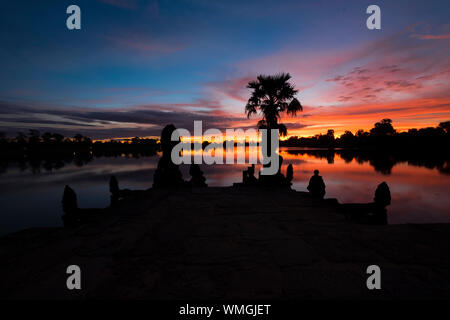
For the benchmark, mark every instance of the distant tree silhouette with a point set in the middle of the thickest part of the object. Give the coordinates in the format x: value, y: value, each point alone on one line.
x: 59, y: 138
x: 79, y: 138
x: 383, y: 128
x: 445, y: 126
x: 52, y: 151
x: 34, y: 136
x: 382, y: 137
x: 347, y: 139
x: 47, y: 137
x: 361, y: 133
x: 329, y: 138
x: 135, y: 140
x: 21, y: 138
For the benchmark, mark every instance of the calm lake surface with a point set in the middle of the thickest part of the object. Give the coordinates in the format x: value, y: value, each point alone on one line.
x: 30, y: 196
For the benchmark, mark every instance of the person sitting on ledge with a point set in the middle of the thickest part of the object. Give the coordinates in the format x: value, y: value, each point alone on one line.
x: 289, y: 174
x: 316, y: 185
x: 167, y: 174
x: 382, y: 195
x: 381, y: 200
x: 117, y: 193
x: 248, y: 177
x: 197, y: 180
x: 114, y: 190
x: 278, y: 178
x: 71, y: 215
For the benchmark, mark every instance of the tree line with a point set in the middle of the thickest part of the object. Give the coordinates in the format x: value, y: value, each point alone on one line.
x: 55, y: 143
x: 382, y: 136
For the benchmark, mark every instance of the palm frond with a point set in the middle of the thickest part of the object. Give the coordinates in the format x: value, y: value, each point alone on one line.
x: 282, y: 129
x: 271, y: 95
x: 262, y: 124
x: 294, y: 107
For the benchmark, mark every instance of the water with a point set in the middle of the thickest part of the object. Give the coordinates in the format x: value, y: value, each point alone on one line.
x: 31, y: 196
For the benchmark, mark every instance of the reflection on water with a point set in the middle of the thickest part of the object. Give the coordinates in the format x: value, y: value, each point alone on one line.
x: 30, y: 191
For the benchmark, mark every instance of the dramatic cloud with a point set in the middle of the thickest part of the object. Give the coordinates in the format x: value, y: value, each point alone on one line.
x: 106, y: 123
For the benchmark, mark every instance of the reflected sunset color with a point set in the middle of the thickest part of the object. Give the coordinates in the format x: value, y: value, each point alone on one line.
x: 419, y: 193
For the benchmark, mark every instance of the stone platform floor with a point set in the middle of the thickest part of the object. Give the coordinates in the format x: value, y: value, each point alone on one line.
x: 227, y: 243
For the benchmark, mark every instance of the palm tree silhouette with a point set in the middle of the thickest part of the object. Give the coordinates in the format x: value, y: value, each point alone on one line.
x: 272, y: 96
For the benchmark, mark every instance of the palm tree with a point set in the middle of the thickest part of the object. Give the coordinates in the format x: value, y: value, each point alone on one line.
x: 272, y: 96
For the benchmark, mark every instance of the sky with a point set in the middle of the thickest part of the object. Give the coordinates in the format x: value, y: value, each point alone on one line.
x: 138, y: 65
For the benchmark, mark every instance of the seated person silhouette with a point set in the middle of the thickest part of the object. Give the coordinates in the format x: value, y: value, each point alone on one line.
x: 381, y: 200
x: 316, y: 185
x: 167, y: 174
x: 289, y: 174
x: 249, y: 176
x: 71, y: 215
x: 280, y: 179
x: 117, y: 193
x: 275, y: 180
x: 197, y: 180
x: 382, y: 195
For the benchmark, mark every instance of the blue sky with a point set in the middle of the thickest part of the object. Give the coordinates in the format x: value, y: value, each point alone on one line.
x: 191, y: 60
